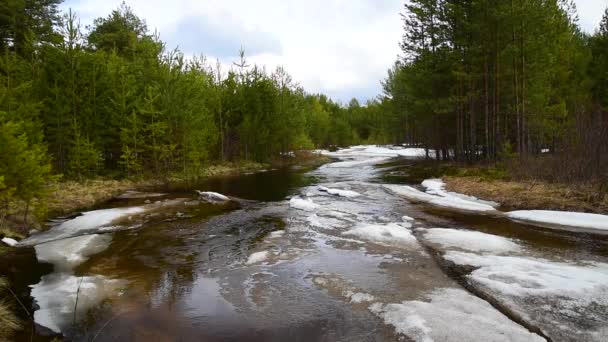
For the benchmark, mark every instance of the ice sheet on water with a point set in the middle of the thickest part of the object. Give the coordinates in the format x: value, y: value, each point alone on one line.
x: 305, y: 204
x: 358, y: 162
x: 525, y: 276
x: 358, y: 297
x: 451, y: 314
x: 88, y: 222
x: 66, y: 254
x: 212, y: 197
x: 55, y: 294
x: 470, y: 240
x: 391, y: 233
x: 584, y: 221
x: 451, y: 202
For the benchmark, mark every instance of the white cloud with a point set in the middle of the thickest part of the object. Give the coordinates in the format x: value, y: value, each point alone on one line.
x: 338, y: 47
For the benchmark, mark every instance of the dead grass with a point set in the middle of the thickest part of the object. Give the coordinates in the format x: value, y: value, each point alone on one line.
x: 532, y: 194
x: 8, y: 321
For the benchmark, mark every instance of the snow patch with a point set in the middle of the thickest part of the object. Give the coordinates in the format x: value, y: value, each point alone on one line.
x: 10, y: 242
x: 470, y: 240
x: 450, y: 202
x: 359, y: 162
x: 213, y: 197
x: 453, y: 314
x: 386, y: 234
x: 303, y: 204
x: 592, y: 222
x: 358, y: 297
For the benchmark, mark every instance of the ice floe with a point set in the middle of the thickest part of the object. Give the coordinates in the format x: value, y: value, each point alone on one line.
x: 437, y: 187
x: 339, y: 192
x: 450, y: 202
x: 451, y: 315
x: 358, y: 162
x: 470, y: 240
x: 358, y: 297
x: 391, y: 233
x: 305, y: 204
x: 562, y: 219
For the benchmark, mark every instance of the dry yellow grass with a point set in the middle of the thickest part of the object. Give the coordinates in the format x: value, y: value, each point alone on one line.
x: 8, y: 321
x: 531, y: 194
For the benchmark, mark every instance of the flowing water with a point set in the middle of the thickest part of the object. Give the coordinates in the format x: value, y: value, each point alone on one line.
x: 320, y: 267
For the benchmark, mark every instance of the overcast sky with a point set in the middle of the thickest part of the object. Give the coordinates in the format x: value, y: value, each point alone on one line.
x: 341, y: 48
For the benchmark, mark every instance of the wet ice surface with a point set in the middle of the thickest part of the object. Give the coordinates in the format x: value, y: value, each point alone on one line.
x: 319, y: 265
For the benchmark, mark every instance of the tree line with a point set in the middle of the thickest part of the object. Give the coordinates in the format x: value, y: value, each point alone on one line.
x: 493, y: 79
x: 112, y: 100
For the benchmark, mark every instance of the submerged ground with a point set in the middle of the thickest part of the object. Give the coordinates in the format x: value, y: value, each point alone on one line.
x: 332, y: 254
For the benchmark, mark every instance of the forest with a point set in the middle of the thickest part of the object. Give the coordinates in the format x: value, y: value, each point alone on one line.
x: 477, y: 81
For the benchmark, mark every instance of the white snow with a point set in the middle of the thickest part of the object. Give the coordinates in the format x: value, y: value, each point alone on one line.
x: 378, y: 151
x: 303, y: 204
x: 388, y: 234
x: 591, y: 222
x: 451, y: 315
x: 55, y: 294
x: 10, y: 242
x: 257, y: 257
x: 523, y: 276
x: 407, y: 219
x: 437, y: 187
x: 277, y: 234
x: 85, y: 223
x: 213, y: 197
x: 358, y: 297
x: 339, y: 192
x: 65, y: 254
x: 471, y: 240
x: 450, y: 202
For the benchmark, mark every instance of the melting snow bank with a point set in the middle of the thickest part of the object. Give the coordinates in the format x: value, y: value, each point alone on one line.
x: 391, y: 233
x: 68, y: 253
x: 451, y: 314
x: 378, y: 151
x: 450, y: 201
x: 55, y: 294
x: 437, y: 187
x: 356, y: 163
x: 257, y: 257
x: 470, y: 240
x: 303, y: 204
x: 568, y: 302
x: 341, y: 193
x: 562, y: 220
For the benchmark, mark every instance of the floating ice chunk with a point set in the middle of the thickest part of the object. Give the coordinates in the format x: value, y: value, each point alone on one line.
x: 358, y: 297
x: 471, y: 240
x: 451, y: 202
x: 564, y: 219
x: 257, y: 257
x: 55, y: 294
x: 213, y: 197
x: 303, y: 204
x: 10, y: 242
x: 88, y: 222
x: 387, y: 234
x: 522, y: 276
x: 341, y: 193
x: 65, y: 254
x: 453, y: 314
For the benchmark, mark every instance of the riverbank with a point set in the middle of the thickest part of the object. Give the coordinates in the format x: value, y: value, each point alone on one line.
x: 522, y: 194
x: 66, y: 197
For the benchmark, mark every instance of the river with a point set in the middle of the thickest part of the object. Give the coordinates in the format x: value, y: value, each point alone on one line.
x: 309, y: 255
